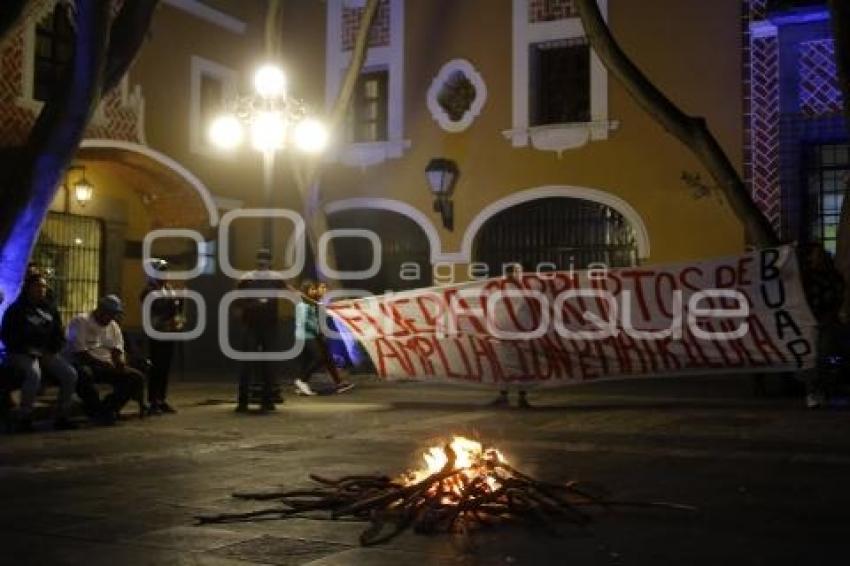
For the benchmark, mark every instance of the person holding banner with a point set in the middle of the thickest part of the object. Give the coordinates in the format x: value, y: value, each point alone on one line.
x: 513, y: 272
x: 315, y: 353
x: 824, y: 290
x: 330, y: 362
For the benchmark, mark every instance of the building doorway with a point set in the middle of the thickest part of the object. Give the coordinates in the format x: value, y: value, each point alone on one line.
x: 69, y: 251
x: 405, y: 250
x: 557, y: 231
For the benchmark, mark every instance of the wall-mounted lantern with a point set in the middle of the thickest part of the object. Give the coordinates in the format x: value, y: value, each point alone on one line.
x: 442, y: 176
x: 83, y: 189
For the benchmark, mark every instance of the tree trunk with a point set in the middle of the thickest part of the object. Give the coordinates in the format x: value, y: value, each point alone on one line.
x: 30, y: 184
x: 307, y: 170
x: 273, y: 35
x: 691, y: 131
x: 840, y: 11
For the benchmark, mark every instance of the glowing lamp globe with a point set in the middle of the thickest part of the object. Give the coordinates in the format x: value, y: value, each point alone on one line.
x: 83, y: 191
x: 268, y: 131
x: 226, y: 132
x: 311, y: 136
x: 269, y: 81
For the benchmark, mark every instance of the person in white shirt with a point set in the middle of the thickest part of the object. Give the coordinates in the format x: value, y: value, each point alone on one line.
x: 96, y: 346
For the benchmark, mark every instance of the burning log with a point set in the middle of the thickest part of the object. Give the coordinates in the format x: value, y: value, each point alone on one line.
x: 463, y: 486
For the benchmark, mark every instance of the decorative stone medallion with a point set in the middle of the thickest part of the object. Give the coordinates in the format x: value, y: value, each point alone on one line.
x: 457, y: 95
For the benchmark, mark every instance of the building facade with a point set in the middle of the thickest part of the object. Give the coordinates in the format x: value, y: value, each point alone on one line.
x: 797, y: 154
x: 556, y: 166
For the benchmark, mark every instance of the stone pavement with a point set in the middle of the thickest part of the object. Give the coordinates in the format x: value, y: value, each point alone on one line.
x: 771, y: 479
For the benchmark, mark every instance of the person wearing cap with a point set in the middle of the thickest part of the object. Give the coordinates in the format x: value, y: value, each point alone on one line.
x: 166, y: 316
x: 96, y: 345
x: 259, y: 330
x: 32, y: 332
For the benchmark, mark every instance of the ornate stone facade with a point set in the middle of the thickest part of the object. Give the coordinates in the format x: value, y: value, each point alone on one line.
x: 820, y: 92
x: 119, y: 116
x: 379, y: 35
x: 762, y: 112
x: 548, y: 10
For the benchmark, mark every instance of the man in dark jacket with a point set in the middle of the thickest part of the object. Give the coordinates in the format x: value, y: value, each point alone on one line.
x: 824, y: 289
x: 33, y: 335
x: 166, y: 312
x: 259, y: 329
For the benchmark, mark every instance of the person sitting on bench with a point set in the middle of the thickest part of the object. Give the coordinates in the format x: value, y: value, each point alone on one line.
x: 32, y: 333
x: 96, y: 346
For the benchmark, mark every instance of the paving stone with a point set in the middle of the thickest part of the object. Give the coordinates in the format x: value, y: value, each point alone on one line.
x: 768, y: 477
x: 189, y: 538
x: 281, y: 551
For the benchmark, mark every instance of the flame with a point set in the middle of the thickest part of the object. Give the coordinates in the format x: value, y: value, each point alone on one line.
x: 473, y: 461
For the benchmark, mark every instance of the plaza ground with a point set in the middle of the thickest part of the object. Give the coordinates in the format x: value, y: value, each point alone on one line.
x: 771, y: 480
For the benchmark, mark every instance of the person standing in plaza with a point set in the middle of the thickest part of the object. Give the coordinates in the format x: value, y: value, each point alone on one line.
x: 315, y: 353
x: 258, y: 322
x: 824, y: 290
x: 513, y: 274
x: 166, y: 315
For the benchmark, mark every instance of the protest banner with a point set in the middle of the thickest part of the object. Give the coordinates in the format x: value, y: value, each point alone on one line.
x: 730, y: 315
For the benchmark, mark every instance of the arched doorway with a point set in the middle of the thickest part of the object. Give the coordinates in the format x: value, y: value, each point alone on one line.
x: 566, y: 232
x: 405, y: 250
x: 95, y: 247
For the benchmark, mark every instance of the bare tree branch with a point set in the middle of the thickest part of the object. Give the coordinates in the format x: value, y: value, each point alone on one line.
x: 125, y: 39
x: 691, y: 131
x: 273, y: 35
x: 307, y: 175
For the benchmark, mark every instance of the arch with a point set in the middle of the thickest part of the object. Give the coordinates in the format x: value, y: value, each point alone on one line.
x: 399, y: 207
x: 564, y: 191
x: 167, y: 162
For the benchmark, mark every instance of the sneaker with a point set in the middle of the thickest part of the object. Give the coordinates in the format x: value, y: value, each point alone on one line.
x: 500, y: 401
x: 344, y: 386
x: 167, y: 409
x: 815, y: 400
x: 103, y: 417
x: 64, y: 423
x: 24, y: 424
x: 303, y: 388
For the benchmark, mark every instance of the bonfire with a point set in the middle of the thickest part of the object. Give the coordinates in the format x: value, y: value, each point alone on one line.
x: 462, y: 485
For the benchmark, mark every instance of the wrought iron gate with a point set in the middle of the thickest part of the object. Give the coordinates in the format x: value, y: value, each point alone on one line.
x: 403, y: 244
x: 561, y: 231
x: 69, y: 252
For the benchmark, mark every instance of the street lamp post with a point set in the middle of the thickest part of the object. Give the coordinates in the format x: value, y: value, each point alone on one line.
x: 273, y: 119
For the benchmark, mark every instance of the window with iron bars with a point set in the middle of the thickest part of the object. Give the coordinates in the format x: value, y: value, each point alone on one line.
x: 368, y: 116
x: 54, y: 49
x: 69, y: 252
x: 565, y: 232
x: 559, y: 75
x: 827, y: 171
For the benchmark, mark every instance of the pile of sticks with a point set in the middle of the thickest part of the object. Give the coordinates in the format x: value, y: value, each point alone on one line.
x: 445, y: 501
